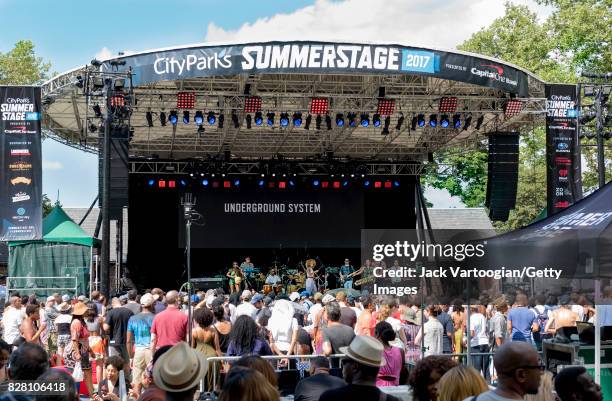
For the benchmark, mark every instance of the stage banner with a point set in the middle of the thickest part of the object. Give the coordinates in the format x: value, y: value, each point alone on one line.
x: 20, y: 163
x: 562, y: 148
x: 318, y: 57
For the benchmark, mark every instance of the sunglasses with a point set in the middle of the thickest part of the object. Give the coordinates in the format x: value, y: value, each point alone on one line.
x: 539, y: 367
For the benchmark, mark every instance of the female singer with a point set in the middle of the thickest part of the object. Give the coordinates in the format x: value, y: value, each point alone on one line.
x: 235, y: 276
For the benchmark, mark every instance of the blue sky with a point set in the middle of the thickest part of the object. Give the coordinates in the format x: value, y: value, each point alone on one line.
x: 70, y: 33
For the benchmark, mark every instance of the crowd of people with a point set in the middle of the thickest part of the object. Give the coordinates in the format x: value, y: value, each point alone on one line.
x: 138, y: 346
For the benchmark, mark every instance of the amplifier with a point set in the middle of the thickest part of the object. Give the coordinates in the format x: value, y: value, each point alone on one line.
x: 207, y: 283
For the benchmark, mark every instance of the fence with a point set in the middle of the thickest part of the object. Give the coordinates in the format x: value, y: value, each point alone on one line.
x: 41, y: 286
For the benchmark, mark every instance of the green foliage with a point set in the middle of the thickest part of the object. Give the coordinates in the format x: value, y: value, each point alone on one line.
x: 21, y: 66
x: 47, y: 205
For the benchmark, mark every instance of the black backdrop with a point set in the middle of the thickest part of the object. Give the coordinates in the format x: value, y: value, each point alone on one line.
x: 156, y: 228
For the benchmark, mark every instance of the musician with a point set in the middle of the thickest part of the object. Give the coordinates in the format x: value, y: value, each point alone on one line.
x: 311, y: 274
x: 235, y: 275
x: 273, y: 278
x: 247, y: 266
x: 346, y: 274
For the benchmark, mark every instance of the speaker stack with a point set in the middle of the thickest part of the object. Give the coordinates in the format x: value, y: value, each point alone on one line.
x: 502, y: 174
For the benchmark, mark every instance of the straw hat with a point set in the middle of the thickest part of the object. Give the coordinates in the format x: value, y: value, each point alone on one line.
x: 366, y: 350
x: 79, y: 309
x: 64, y: 307
x: 179, y: 369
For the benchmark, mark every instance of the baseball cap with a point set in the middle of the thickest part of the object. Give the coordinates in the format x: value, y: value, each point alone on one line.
x: 246, y: 294
x: 256, y: 298
x: 294, y: 296
x: 305, y: 294
x: 328, y: 298
x: 82, y: 298
x: 147, y: 300
x: 195, y: 298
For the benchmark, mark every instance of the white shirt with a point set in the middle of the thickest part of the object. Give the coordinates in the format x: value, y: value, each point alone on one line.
x: 313, y: 311
x: 282, y: 339
x: 272, y: 280
x: 246, y: 308
x: 11, y: 320
x: 478, y: 323
x: 432, y: 339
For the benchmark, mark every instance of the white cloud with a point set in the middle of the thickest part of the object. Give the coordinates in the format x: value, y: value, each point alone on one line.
x: 441, y: 24
x: 440, y: 198
x: 106, y: 53
x: 52, y: 165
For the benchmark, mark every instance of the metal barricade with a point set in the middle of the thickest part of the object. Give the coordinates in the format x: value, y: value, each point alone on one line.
x: 30, y: 286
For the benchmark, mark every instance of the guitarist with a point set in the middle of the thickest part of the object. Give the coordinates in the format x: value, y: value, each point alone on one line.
x: 311, y: 274
x: 346, y: 274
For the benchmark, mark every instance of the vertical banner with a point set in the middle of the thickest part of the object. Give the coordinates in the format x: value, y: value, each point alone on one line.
x: 20, y: 163
x: 562, y: 147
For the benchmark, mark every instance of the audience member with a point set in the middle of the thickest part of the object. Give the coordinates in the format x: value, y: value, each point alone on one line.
x: 460, y: 383
x: 389, y: 374
x: 244, y: 384
x: 319, y: 381
x: 170, y: 324
x: 109, y: 388
x: 179, y: 372
x: 575, y: 384
x: 261, y: 365
x: 424, y: 377
x: 58, y: 376
x: 245, y: 339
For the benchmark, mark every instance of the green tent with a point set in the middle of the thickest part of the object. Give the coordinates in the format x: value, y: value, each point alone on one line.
x: 60, y: 262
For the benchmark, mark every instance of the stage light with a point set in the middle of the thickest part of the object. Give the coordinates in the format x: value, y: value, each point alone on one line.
x: 339, y: 120
x: 151, y: 183
x: 236, y: 183
x: 284, y: 119
x: 185, y: 100
x: 400, y: 122
x: 171, y: 184
x: 292, y: 183
x: 119, y: 84
x: 183, y: 183
x: 385, y: 130
x: 377, y: 184
x: 258, y: 118
x: 93, y: 127
x: 173, y: 117
x: 513, y: 107
x: 252, y: 104
x: 282, y: 185
x: 261, y: 183
x: 479, y: 122
x: 162, y: 118
x: 198, y: 118
x: 366, y: 183
x: 318, y: 121
x: 328, y: 122
x: 185, y: 117
x: 215, y: 184
x: 149, y: 117
x: 421, y: 120
x: 336, y: 184
x: 316, y: 183
x: 308, y: 121
x: 387, y: 184
x: 376, y: 120
x: 345, y: 183
x: 444, y: 121
x: 325, y: 184
x: 385, y: 107
x: 271, y: 184
x: 467, y: 123
x: 98, y: 83
x: 161, y: 183
x: 227, y: 184
x: 235, y: 120
x: 97, y: 110
x: 221, y: 121
x: 364, y: 120
x: 319, y: 105
x: 297, y: 119
x: 270, y: 119
x: 210, y: 117
x: 351, y: 120
x: 201, y: 130
x: 396, y: 184
x: 433, y: 120
x: 448, y: 105
x: 457, y: 121
x: 248, y: 121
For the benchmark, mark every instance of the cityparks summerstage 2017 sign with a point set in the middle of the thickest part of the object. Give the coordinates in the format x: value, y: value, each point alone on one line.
x: 20, y: 163
x: 320, y: 57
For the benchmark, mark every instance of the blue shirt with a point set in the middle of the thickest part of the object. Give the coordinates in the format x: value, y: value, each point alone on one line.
x: 345, y: 270
x: 140, y: 327
x: 522, y: 319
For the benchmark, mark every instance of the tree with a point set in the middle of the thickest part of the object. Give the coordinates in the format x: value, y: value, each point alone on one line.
x: 21, y: 66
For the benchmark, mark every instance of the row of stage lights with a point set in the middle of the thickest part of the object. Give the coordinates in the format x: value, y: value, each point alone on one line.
x: 350, y: 120
x: 323, y: 183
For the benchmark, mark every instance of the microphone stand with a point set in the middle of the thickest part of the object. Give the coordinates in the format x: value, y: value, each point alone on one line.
x: 188, y: 204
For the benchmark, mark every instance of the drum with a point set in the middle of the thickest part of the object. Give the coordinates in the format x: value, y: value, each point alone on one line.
x: 267, y: 288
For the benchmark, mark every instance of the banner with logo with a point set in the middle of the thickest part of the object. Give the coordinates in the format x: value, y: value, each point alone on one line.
x: 562, y: 148
x: 20, y: 163
x: 319, y: 57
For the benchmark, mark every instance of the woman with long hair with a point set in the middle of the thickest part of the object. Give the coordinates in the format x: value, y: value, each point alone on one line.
x: 206, y: 340
x: 459, y: 383
x: 245, y: 339
x: 283, y: 329
x: 425, y: 375
x: 235, y: 276
x: 458, y: 317
x: 389, y: 375
x: 244, y: 384
x: 222, y: 326
x: 78, y: 349
x: 261, y: 365
x: 94, y: 323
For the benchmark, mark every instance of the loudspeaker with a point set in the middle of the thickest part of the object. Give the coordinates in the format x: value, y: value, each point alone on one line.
x: 502, y: 174
x: 119, y: 168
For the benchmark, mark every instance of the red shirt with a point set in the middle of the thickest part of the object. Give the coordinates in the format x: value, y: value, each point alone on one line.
x: 169, y: 327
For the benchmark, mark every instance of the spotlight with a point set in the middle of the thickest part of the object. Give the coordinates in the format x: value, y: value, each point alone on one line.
x: 479, y: 122
x: 221, y: 120
x: 457, y: 121
x: 270, y: 119
x: 97, y: 110
x: 173, y: 117
x: 421, y: 120
x: 201, y: 130
x: 376, y: 120
x: 467, y: 123
x: 93, y: 127
x: 444, y: 121
x: 185, y: 117
x: 151, y: 183
x: 328, y: 122
x: 284, y: 119
x: 198, y: 118
x: 385, y: 130
x: 308, y: 121
x: 339, y: 120
x: 433, y: 120
x: 248, y: 121
x: 162, y: 118
x: 210, y: 117
x: 205, y: 183
x: 258, y: 118
x: 364, y: 120
x: 149, y: 117
x: 351, y: 119
x: 400, y: 121
x: 235, y: 120
x: 413, y: 123
x: 297, y: 119
x: 318, y: 121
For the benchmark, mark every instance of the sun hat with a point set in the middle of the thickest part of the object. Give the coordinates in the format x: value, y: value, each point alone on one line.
x: 409, y: 315
x: 79, y: 309
x: 294, y: 296
x: 328, y: 298
x: 366, y: 350
x: 147, y: 300
x: 181, y: 368
x: 64, y: 307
